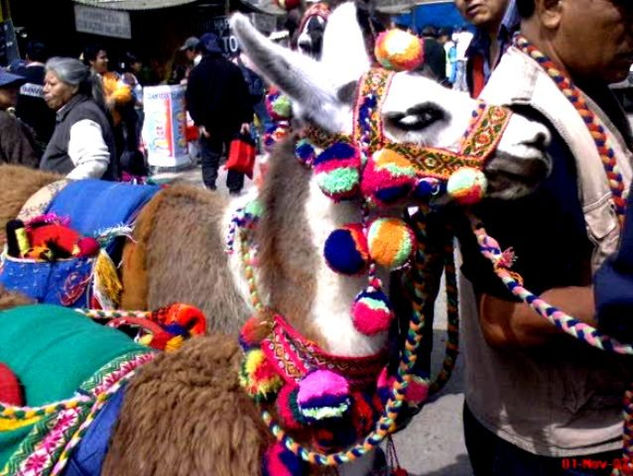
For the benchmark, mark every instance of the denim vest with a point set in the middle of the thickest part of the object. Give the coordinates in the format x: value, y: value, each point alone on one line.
x: 563, y: 399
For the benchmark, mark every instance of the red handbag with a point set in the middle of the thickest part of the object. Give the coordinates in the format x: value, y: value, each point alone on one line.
x: 242, y: 155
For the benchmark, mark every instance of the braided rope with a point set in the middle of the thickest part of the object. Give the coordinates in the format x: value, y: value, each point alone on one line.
x: 99, y: 401
x: 421, y: 281
x: 593, y: 123
x: 113, y: 314
x: 452, y: 326
x: 489, y: 248
x: 12, y: 412
x: 572, y: 326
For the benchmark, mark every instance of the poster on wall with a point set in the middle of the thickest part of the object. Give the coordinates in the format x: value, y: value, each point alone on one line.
x: 164, y: 129
x: 99, y: 21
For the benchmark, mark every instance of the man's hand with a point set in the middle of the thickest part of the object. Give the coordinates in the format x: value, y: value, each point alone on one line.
x: 245, y: 128
x: 203, y: 132
x: 507, y: 324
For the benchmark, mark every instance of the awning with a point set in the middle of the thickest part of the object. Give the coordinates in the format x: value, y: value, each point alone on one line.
x: 264, y: 6
x: 134, y: 4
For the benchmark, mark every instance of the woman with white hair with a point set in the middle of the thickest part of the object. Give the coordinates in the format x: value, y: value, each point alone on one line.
x: 82, y: 145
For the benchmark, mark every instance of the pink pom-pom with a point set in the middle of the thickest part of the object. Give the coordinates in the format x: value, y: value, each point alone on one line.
x: 418, y: 391
x: 371, y: 312
x: 323, y: 394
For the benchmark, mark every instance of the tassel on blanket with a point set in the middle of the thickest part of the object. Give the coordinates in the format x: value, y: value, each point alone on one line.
x: 106, y: 287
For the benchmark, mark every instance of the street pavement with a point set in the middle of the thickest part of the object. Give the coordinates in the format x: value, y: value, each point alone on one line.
x: 433, y: 443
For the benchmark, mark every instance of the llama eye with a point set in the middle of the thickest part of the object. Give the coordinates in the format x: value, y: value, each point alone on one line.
x: 416, y: 118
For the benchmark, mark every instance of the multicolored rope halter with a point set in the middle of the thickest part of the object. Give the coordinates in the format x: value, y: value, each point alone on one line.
x: 503, y: 260
x: 597, y: 130
x: 368, y: 167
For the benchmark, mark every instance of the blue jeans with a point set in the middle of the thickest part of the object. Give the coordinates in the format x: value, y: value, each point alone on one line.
x: 492, y: 456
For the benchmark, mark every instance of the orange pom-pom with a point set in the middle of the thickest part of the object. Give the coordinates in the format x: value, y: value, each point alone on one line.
x: 399, y: 50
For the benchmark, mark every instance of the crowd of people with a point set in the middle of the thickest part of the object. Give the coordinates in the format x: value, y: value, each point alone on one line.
x: 83, y: 118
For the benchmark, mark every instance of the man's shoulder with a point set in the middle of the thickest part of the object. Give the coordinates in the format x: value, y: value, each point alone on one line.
x: 518, y: 79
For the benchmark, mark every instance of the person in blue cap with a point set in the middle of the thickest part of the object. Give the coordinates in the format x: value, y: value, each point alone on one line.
x: 220, y: 105
x: 17, y: 144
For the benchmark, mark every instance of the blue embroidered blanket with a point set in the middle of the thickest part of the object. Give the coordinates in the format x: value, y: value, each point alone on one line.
x: 94, y: 205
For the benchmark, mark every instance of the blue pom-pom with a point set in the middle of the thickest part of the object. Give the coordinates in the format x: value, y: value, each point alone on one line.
x: 389, y: 195
x: 345, y: 250
x: 337, y: 151
x: 305, y: 152
x: 425, y: 188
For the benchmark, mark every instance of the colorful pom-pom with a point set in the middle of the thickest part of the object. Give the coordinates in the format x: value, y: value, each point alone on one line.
x: 467, y: 185
x: 337, y: 171
x: 10, y: 389
x: 425, y: 188
x: 391, y: 242
x: 305, y: 152
x: 384, y: 385
x: 290, y: 415
x: 417, y: 391
x: 280, y: 461
x: 253, y: 332
x: 387, y: 178
x: 399, y: 50
x: 278, y: 106
x: 323, y: 395
x: 87, y: 246
x: 345, y: 250
x: 288, y: 4
x: 258, y: 376
x: 372, y: 312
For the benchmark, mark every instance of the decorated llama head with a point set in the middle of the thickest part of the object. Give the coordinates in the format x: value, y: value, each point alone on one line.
x: 414, y: 109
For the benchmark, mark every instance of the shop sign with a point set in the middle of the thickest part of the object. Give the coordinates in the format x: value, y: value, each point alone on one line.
x: 100, y: 21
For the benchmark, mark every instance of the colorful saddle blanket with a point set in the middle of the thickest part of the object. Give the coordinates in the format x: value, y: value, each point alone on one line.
x: 70, y: 368
x: 93, y: 206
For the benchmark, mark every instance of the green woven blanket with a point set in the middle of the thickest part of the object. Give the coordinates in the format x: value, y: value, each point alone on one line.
x: 53, y: 350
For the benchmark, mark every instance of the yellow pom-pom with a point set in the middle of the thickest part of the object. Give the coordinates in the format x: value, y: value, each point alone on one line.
x: 467, y: 185
x: 399, y: 50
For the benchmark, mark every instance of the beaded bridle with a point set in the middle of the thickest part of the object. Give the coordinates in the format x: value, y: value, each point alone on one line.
x: 421, y: 173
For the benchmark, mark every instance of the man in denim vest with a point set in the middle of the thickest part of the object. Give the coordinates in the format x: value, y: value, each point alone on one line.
x: 539, y: 402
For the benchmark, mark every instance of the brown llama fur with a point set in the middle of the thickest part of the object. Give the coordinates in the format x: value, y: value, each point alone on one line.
x: 17, y: 184
x: 287, y: 258
x: 179, y: 257
x: 9, y: 299
x: 185, y: 414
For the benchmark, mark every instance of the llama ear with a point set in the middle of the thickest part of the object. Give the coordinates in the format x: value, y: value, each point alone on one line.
x: 308, y: 83
x: 344, y: 51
